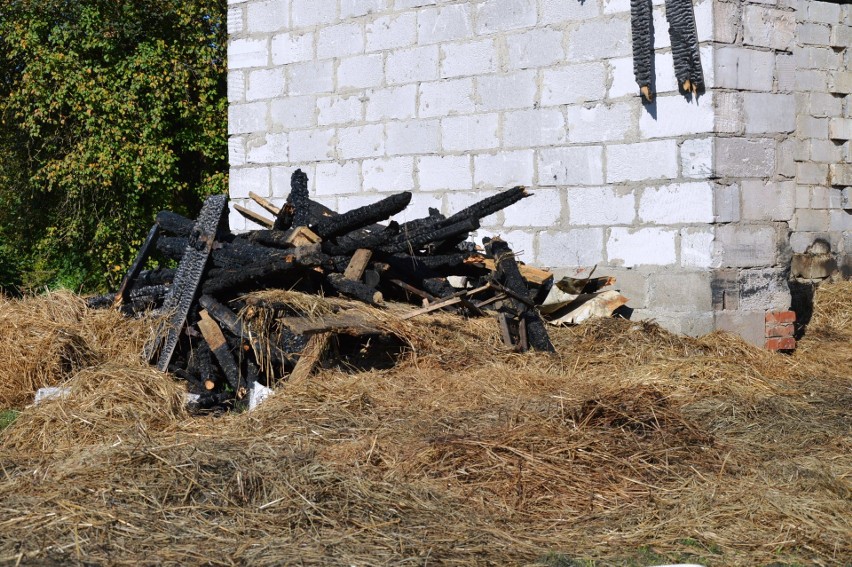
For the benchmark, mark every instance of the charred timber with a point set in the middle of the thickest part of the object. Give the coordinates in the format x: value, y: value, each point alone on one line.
x: 509, y: 275
x: 355, y: 289
x: 349, y: 243
x: 412, y: 242
x: 174, y: 224
x: 488, y: 206
x: 642, y: 27
x: 362, y: 216
x: 684, y: 38
x: 129, y: 280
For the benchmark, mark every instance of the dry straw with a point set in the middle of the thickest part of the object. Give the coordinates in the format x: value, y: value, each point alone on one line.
x: 630, y: 444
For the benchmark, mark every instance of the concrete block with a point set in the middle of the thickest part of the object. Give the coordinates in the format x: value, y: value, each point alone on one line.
x: 768, y: 27
x: 840, y: 129
x: 729, y: 112
x: 505, y: 92
x: 727, y: 21
x: 420, y: 203
x: 840, y: 82
x: 388, y: 174
x: 265, y: 84
x: 725, y: 289
x: 726, y: 203
x: 338, y: 178
x: 697, y: 248
x: 630, y: 247
x: 311, y: 77
x: 840, y: 221
x: 823, y: 12
x: 744, y: 157
x: 581, y: 247
x: 846, y: 198
x: 680, y: 291
x: 312, y: 145
x: 841, y: 35
x: 247, y: 118
x: 470, y: 132
x: 292, y: 48
x: 444, y: 173
x: 825, y: 151
x: 801, y: 242
x: 501, y: 15
x: 769, y: 113
x: 243, y: 53
x: 810, y: 33
x: 824, y: 105
x: 360, y: 72
x: 391, y: 32
x: 692, y: 324
x: 600, y: 123
x: 534, y: 127
x: 573, y: 84
x: 505, y: 169
x: 244, y: 179
x: 696, y: 158
x: 811, y: 80
x: 679, y: 203
x: 812, y: 266
x: 444, y: 23
x: 600, y: 206
x: 631, y: 283
x: 412, y: 137
x: 598, y: 39
x: 767, y: 200
x: 538, y: 47
x: 746, y: 246
x: 393, y: 103
x: 412, y: 65
x: 641, y: 161
x: 458, y: 200
x: 580, y: 165
x: 744, y: 69
x: 307, y: 13
x: 764, y: 289
x: 361, y: 141
x: 469, y: 59
x: 338, y: 109
x: 267, y: 17
x: 786, y: 158
x: 236, y: 86
x: 750, y: 325
x: 677, y: 116
x: 446, y: 97
x: 812, y: 173
x: 267, y: 149
x: 623, y: 82
x: 236, y: 151
x: 558, y: 12
x: 293, y: 112
x: 543, y: 209
x: 522, y: 242
x: 235, y: 21
x: 355, y: 8
x: 785, y: 72
x: 810, y: 127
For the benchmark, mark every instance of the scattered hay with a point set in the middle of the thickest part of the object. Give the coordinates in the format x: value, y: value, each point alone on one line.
x: 462, y: 453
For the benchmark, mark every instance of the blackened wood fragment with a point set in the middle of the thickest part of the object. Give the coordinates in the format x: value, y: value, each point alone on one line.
x: 172, y: 247
x: 488, y: 206
x: 219, y: 347
x: 235, y: 279
x: 174, y: 224
x: 272, y: 238
x: 642, y: 28
x: 354, y: 289
x: 155, y: 277
x: 372, y: 239
x: 224, y: 316
x: 141, y: 257
x: 413, y: 242
x: 362, y: 216
x: 299, y: 202
x: 351, y: 323
x: 684, y: 37
x: 509, y: 275
x: 505, y: 330
x: 183, y: 291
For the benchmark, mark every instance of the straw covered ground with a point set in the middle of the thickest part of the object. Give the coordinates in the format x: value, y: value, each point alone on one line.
x: 631, y: 446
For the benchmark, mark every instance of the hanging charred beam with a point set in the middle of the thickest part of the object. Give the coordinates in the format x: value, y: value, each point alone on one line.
x: 354, y: 289
x: 183, y: 291
x: 362, y: 216
x: 174, y: 224
x: 642, y: 28
x: 684, y: 38
x: 510, y: 277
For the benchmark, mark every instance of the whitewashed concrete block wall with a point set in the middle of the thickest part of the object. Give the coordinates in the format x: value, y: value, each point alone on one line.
x: 457, y: 99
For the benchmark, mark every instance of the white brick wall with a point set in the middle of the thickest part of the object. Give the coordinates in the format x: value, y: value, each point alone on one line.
x: 457, y: 99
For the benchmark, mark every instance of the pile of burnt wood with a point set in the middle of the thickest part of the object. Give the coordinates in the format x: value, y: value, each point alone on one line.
x: 429, y: 262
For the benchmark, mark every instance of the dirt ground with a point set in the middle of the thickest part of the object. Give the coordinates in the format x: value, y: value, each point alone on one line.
x: 631, y: 446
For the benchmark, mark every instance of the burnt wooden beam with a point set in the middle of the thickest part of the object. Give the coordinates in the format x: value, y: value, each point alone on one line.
x: 642, y: 29
x: 310, y: 357
x: 372, y: 239
x: 182, y: 293
x: 510, y: 277
x: 684, y: 37
x: 219, y: 347
x: 362, y: 216
x: 174, y: 224
x: 488, y: 206
x: 136, y: 268
x: 354, y: 289
x: 352, y: 323
x: 412, y: 242
x: 172, y: 247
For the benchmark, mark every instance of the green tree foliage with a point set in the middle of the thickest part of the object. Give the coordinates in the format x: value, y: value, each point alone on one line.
x: 111, y: 111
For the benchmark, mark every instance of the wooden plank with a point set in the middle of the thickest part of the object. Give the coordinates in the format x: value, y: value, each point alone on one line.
x: 351, y: 323
x: 219, y: 346
x: 303, y: 236
x: 505, y: 332
x: 413, y: 290
x: 523, y: 338
x: 123, y: 293
x: 266, y: 205
x: 434, y: 307
x: 253, y: 216
x: 358, y: 264
x: 310, y: 357
x: 533, y: 275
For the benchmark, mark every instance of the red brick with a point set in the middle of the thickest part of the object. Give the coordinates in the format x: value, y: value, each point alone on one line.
x: 780, y: 316
x: 786, y: 343
x: 780, y: 330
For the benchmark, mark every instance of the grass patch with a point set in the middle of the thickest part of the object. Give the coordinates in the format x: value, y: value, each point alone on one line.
x: 7, y: 417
